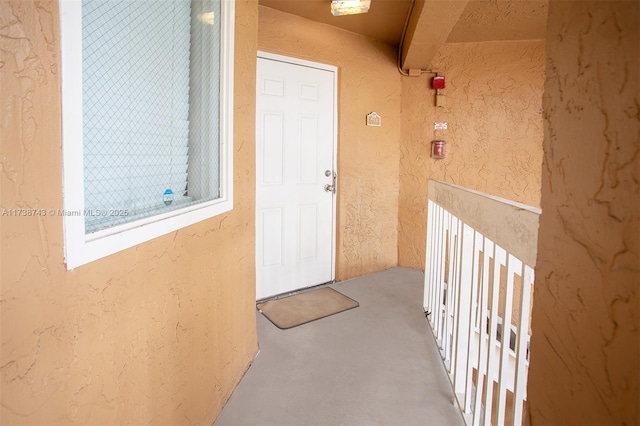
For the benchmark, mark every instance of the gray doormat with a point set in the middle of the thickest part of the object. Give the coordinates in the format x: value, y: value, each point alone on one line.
x: 305, y: 307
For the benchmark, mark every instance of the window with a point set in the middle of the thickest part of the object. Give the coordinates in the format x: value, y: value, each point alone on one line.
x: 147, y: 120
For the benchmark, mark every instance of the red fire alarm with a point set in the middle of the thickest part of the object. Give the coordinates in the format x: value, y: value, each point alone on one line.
x: 437, y: 82
x: 438, y: 149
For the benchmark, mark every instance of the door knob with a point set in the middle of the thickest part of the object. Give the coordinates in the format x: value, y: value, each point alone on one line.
x: 332, y: 186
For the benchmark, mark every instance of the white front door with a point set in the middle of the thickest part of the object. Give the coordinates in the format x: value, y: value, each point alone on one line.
x: 295, y: 142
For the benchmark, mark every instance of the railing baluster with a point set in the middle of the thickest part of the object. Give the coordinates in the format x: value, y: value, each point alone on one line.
x: 452, y: 290
x: 522, y: 346
x: 463, y: 321
x: 506, y: 376
x: 444, y: 330
x: 474, y: 308
x: 435, y: 307
x: 499, y: 260
x: 440, y: 274
x: 447, y: 285
x: 432, y: 269
x: 483, y: 380
x: 428, y: 290
x: 447, y: 288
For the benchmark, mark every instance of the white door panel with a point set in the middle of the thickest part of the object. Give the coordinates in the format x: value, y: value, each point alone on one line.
x: 295, y: 141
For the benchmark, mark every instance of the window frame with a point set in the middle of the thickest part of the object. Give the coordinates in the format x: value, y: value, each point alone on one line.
x: 81, y: 248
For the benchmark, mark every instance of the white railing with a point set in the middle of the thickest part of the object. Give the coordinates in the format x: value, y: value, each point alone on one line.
x: 480, y: 259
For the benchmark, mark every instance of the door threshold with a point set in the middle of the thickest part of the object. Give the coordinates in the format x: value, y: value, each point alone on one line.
x: 294, y: 292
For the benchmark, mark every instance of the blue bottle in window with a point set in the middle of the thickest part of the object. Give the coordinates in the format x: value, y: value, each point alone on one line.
x: 168, y: 197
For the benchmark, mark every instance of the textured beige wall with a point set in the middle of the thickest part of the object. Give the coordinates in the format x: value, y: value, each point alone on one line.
x: 157, y: 334
x: 493, y: 110
x: 368, y: 157
x: 585, y: 347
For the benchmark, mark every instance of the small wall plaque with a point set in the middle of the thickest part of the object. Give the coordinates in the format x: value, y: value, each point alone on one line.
x: 373, y: 119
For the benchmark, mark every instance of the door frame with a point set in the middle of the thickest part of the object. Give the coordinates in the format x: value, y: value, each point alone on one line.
x: 334, y: 70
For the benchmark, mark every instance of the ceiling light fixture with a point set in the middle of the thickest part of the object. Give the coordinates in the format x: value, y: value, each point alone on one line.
x: 349, y: 7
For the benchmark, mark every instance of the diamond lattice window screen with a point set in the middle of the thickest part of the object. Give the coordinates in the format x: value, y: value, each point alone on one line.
x: 150, y: 107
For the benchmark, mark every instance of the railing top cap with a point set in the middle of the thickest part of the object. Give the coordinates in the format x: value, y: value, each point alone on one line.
x: 515, y: 204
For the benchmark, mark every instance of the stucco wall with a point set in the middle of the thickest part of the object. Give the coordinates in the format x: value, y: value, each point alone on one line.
x: 585, y: 345
x: 157, y: 334
x: 493, y: 106
x: 368, y: 157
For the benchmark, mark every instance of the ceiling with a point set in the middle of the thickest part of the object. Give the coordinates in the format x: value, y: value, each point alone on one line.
x: 433, y: 22
x: 384, y: 21
x: 501, y: 20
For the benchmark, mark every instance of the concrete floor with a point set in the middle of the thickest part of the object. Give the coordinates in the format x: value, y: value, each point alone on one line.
x: 373, y: 365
